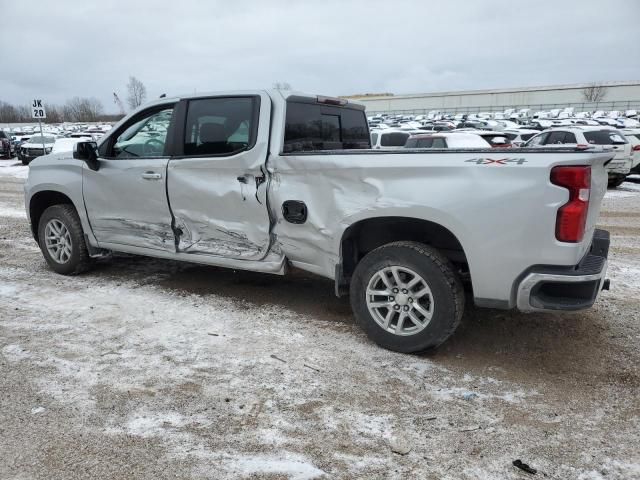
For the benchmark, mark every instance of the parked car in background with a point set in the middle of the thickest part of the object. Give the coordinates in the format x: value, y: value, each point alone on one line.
x: 66, y: 144
x: 591, y: 137
x: 7, y: 147
x: 390, y: 139
x: 34, y: 148
x: 519, y: 136
x: 493, y: 138
x: 446, y: 140
x: 633, y: 136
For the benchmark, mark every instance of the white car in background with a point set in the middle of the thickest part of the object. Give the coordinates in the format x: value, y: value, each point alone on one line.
x: 589, y: 138
x: 66, y: 144
x: 519, y: 136
x: 446, y: 140
x: 633, y: 136
x: 36, y: 146
x: 390, y: 139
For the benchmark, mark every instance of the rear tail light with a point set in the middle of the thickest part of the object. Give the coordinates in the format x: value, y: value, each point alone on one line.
x: 636, y: 148
x: 572, y: 216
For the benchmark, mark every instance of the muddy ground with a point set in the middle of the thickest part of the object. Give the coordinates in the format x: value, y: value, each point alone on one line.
x: 149, y: 369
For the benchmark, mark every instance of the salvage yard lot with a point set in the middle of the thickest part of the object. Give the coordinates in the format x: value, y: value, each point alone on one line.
x: 144, y: 368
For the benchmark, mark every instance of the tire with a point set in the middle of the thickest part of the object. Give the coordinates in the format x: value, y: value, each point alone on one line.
x: 24, y: 162
x: 444, y: 301
x: 78, y: 260
x: 615, y: 182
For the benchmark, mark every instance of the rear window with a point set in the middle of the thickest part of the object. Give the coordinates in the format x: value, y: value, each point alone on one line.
x: 394, y: 139
x: 604, y: 137
x: 312, y: 127
x: 526, y: 136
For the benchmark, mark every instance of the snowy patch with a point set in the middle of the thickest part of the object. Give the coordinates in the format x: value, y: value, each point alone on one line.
x: 627, y: 189
x: 8, y: 211
x: 613, y: 469
x: 13, y: 169
x: 15, y: 353
x: 296, y: 467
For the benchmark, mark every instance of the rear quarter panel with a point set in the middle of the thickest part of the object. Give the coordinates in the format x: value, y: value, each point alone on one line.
x: 503, y: 214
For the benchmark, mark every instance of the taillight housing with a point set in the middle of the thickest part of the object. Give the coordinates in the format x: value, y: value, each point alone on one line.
x: 636, y: 148
x: 572, y: 216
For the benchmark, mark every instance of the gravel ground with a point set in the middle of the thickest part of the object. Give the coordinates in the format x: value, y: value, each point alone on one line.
x: 148, y: 369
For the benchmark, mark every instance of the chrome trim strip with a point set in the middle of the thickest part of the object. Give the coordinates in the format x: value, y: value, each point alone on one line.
x: 531, y: 280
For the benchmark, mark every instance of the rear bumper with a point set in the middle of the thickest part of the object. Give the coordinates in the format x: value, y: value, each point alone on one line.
x: 566, y: 288
x: 619, y: 167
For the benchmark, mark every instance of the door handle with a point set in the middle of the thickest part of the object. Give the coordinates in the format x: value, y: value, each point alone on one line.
x: 151, y: 176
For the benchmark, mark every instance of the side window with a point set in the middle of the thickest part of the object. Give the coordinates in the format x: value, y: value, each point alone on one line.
x: 424, y: 142
x: 439, y: 142
x: 537, y: 140
x: 555, y: 138
x: 220, y: 126
x: 145, y: 137
x: 570, y: 138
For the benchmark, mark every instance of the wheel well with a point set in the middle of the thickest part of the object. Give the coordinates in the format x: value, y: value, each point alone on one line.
x: 40, y: 202
x: 367, y: 235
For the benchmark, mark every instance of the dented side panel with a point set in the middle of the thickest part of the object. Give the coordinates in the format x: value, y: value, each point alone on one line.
x: 219, y: 203
x: 502, y: 213
x: 125, y: 208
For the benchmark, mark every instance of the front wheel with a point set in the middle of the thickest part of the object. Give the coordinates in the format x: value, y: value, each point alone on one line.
x: 407, y: 297
x: 62, y: 241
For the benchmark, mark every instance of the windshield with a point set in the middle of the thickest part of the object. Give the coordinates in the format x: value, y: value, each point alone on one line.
x: 39, y: 139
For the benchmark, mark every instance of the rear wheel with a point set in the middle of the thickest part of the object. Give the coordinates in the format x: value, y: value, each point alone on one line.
x: 62, y: 241
x: 615, y: 182
x: 407, y: 297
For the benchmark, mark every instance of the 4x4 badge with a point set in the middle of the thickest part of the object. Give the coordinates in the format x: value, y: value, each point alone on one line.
x: 496, y: 161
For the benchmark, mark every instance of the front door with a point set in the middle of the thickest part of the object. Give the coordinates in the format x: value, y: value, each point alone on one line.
x: 216, y: 182
x: 126, y: 198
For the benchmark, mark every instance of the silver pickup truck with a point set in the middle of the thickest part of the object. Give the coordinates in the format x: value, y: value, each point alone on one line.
x: 267, y: 180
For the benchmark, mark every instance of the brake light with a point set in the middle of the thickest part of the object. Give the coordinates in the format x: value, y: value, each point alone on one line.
x: 572, y: 216
x: 636, y: 148
x: 331, y: 100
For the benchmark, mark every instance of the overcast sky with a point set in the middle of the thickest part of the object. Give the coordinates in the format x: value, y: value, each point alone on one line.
x: 59, y: 49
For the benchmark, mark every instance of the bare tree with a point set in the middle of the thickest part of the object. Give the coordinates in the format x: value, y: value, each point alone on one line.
x: 8, y: 113
x: 594, y: 92
x: 137, y: 92
x: 82, y: 110
x: 282, y: 86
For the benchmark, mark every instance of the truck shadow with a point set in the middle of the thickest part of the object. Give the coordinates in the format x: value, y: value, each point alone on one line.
x: 526, y: 345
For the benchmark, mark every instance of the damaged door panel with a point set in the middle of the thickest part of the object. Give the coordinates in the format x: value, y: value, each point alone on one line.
x: 216, y: 184
x: 126, y: 197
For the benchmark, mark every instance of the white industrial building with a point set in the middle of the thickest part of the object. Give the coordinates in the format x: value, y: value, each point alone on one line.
x: 615, y: 96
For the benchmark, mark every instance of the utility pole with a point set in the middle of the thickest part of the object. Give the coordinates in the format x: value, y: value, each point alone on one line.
x: 118, y: 102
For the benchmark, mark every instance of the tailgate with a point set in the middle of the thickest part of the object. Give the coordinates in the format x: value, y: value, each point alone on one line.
x: 599, y: 181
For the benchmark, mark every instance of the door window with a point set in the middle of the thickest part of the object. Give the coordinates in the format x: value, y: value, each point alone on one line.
x: 144, y: 137
x: 556, y: 138
x: 221, y: 126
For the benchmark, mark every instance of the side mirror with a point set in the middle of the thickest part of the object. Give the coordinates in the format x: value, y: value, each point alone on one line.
x: 88, y: 152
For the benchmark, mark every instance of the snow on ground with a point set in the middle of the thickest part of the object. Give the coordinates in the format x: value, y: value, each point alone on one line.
x: 145, y: 368
x: 13, y: 168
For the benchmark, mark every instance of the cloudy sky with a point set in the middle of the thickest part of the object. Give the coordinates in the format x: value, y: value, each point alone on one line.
x: 59, y: 49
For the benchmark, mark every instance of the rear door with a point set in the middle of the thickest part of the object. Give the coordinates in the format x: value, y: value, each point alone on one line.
x: 126, y: 198
x: 216, y: 182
